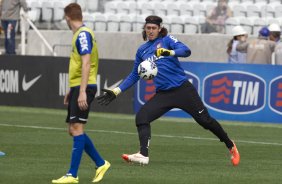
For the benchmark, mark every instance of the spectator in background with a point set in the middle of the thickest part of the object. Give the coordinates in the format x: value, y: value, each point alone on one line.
x: 275, y: 34
x: 215, y: 21
x: 235, y: 56
x: 10, y: 14
x: 259, y: 50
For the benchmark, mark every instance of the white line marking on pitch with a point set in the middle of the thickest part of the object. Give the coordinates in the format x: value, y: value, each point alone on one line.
x: 130, y: 133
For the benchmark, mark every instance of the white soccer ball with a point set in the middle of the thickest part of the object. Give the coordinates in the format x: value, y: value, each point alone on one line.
x: 147, y: 70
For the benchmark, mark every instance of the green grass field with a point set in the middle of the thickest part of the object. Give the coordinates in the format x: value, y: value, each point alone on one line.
x: 38, y: 147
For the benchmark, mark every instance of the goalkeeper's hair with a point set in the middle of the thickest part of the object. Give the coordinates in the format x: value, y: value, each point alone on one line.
x: 153, y: 19
x: 73, y: 11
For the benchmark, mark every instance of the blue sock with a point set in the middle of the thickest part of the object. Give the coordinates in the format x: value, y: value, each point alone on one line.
x: 92, y: 152
x: 77, y: 150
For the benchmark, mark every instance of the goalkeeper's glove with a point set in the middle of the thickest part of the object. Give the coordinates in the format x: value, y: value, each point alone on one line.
x: 108, y: 96
x: 164, y: 52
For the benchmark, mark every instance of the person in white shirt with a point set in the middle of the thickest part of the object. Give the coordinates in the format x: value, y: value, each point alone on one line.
x: 235, y: 56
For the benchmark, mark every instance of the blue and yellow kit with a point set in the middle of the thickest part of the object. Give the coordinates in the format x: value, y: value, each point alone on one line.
x: 83, y: 42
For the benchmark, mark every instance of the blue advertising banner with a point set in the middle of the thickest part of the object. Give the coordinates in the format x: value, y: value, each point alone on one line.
x: 239, y: 92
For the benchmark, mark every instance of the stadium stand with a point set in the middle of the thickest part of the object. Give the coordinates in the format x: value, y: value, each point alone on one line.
x: 180, y: 16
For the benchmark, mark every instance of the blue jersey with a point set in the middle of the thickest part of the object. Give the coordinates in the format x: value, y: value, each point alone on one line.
x: 170, y: 73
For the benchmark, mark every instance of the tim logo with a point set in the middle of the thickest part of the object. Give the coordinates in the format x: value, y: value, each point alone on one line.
x: 234, y: 92
x: 275, y: 92
x: 146, y: 88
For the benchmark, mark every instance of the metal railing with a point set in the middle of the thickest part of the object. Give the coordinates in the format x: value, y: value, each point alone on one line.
x: 25, y: 19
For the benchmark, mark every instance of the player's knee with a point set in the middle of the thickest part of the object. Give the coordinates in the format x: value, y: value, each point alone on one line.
x: 75, y: 129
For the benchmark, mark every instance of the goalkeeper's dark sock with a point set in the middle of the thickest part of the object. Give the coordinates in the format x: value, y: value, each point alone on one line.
x: 92, y: 152
x: 217, y: 129
x: 144, y: 132
x: 77, y: 150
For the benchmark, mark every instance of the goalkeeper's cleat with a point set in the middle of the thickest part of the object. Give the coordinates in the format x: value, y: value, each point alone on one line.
x: 67, y: 179
x: 235, y: 156
x: 101, y: 171
x: 136, y: 158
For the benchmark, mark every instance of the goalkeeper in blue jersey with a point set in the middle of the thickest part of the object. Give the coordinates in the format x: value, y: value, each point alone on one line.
x: 83, y: 68
x: 173, y: 90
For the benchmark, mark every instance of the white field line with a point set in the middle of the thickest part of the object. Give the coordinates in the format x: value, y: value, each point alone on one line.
x: 132, y: 117
x: 131, y: 133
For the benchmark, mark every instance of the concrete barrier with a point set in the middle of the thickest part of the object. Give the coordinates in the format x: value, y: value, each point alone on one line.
x: 123, y: 46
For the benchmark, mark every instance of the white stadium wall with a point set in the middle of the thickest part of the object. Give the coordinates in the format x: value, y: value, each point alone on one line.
x: 123, y: 46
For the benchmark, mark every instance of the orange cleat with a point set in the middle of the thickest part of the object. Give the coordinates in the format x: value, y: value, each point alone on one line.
x: 235, y: 156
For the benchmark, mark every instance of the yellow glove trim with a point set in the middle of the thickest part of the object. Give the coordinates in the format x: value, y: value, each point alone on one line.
x: 117, y: 91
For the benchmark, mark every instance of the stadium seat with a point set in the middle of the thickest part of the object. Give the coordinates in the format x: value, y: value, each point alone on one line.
x: 133, y: 6
x: 138, y: 23
x: 209, y: 1
x: 62, y: 25
x: 36, y: 9
x: 172, y: 9
x: 267, y: 11
x: 230, y: 23
x: 194, y: 1
x: 278, y: 11
x: 113, y: 23
x: 191, y: 25
x: 231, y: 4
x: 199, y: 9
x: 167, y: 22
x: 274, y: 20
x: 246, y: 2
x: 247, y: 24
x: 260, y: 1
x: 231, y: 1
x: 177, y: 24
x: 83, y: 4
x: 100, y: 22
x: 239, y: 11
x: 88, y: 20
x: 122, y: 7
x: 274, y: 1
x: 147, y: 8
x: 160, y: 8
x: 169, y: 1
x: 185, y: 9
x: 258, y: 24
x: 125, y: 24
x: 32, y: 15
x: 58, y: 11
x: 253, y: 11
x: 110, y: 7
x: 47, y: 14
x: 92, y: 5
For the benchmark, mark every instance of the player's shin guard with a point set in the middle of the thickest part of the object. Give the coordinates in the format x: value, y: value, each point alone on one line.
x: 144, y: 132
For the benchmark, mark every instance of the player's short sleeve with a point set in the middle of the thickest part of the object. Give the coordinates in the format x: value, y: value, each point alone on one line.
x: 84, y: 43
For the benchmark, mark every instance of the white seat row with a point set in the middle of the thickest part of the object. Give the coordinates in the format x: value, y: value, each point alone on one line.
x: 53, y: 10
x: 135, y: 23
x: 160, y: 8
x: 251, y: 24
x: 257, y: 10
